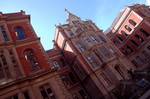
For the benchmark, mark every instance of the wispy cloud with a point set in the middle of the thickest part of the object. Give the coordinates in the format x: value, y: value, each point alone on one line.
x: 148, y: 2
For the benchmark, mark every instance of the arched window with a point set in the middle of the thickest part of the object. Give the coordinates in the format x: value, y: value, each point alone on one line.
x: 30, y: 56
x: 132, y: 22
x: 127, y: 28
x: 20, y: 33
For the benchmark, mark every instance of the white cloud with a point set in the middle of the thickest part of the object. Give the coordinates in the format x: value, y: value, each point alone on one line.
x: 148, y: 2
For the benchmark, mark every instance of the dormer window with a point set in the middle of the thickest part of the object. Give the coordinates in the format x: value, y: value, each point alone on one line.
x: 20, y: 33
x: 132, y: 22
x: 128, y: 28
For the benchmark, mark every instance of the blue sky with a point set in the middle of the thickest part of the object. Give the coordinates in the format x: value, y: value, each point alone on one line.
x: 46, y: 13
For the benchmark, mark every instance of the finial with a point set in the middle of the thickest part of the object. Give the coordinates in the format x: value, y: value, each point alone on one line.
x: 59, y: 23
x: 55, y: 25
x: 67, y: 10
x: 23, y: 12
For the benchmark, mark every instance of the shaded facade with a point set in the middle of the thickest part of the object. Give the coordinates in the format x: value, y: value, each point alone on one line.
x: 130, y: 32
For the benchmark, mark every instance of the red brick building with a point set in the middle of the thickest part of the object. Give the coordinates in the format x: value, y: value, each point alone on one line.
x: 25, y: 72
x: 85, y: 47
x: 84, y: 63
x: 130, y: 32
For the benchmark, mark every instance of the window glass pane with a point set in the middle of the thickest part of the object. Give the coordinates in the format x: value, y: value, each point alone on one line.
x: 46, y: 92
x: 49, y: 91
x: 20, y: 33
x: 3, y: 31
x: 119, y: 70
x: 128, y: 28
x: 15, y: 97
x: 44, y: 95
x: 83, y: 94
x: 120, y: 38
x: 30, y: 57
x: 26, y: 95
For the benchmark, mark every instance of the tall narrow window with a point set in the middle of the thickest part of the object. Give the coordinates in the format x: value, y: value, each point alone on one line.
x: 4, y: 65
x: 102, y: 39
x: 56, y: 64
x: 2, y: 76
x: 116, y: 41
x: 92, y: 60
x: 148, y: 47
x: 139, y: 38
x: 129, y: 50
x: 88, y: 40
x: 106, y: 52
x: 135, y: 63
x: 69, y: 80
x: 132, y: 22
x: 83, y: 94
x: 139, y: 60
x: 20, y: 33
x: 120, y: 38
x: 93, y: 39
x: 128, y: 28
x: 124, y: 33
x: 26, y: 95
x: 4, y: 33
x: 81, y: 46
x: 120, y: 72
x: 72, y: 78
x: 30, y: 56
x: 144, y: 32
x: 46, y: 92
x: 79, y: 71
x: 134, y: 43
x: 146, y: 55
x: 106, y: 79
